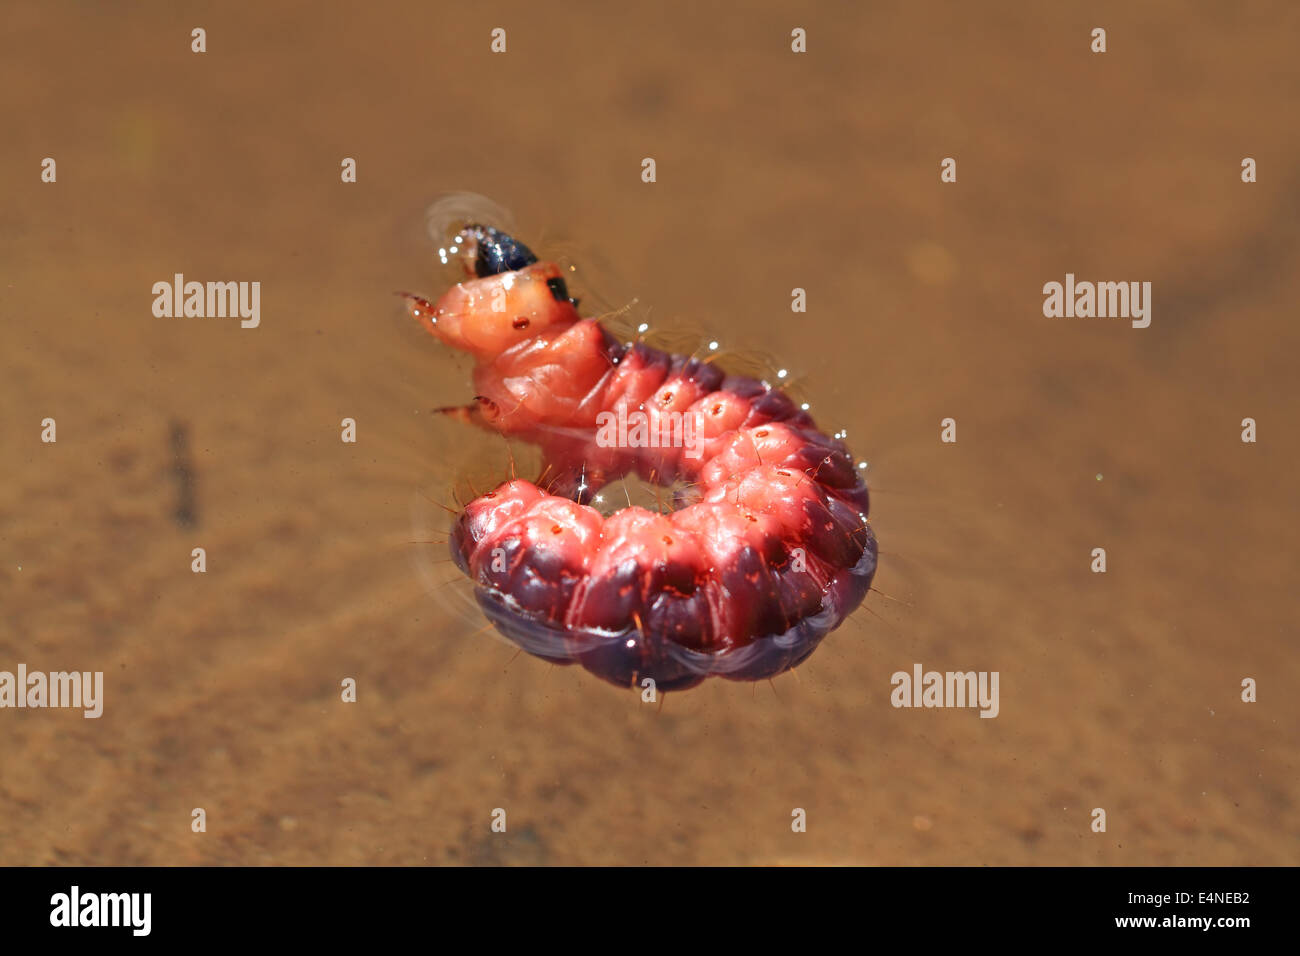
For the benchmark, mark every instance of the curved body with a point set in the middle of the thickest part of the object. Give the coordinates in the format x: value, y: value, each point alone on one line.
x: 771, y: 554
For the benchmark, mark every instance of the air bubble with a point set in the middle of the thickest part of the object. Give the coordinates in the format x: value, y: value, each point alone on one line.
x: 454, y: 210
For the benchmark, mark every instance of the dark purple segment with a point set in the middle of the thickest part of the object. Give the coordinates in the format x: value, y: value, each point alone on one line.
x: 654, y: 361
x: 799, y: 591
x: 624, y: 659
x: 533, y: 635
x: 850, y: 587
x: 708, y: 377
x: 767, y: 404
x: 832, y: 532
x: 826, y: 460
x: 752, y: 595
x: 610, y: 601
x: 541, y: 581
x: 857, y: 498
x: 682, y: 619
x: 663, y: 600
x: 628, y: 659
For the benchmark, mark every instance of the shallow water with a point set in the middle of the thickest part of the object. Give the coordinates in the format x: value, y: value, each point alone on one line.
x: 775, y: 171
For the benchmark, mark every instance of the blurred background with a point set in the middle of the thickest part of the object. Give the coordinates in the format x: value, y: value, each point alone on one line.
x: 775, y: 170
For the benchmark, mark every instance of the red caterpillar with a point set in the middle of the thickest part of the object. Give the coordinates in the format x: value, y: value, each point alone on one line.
x: 742, y: 583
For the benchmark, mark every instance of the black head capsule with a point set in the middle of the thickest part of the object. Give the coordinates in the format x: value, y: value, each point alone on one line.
x: 495, y: 253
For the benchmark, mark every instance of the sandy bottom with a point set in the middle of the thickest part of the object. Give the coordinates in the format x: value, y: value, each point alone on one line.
x: 222, y: 690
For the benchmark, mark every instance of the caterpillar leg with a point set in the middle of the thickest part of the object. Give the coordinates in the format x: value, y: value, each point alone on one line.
x: 480, y: 415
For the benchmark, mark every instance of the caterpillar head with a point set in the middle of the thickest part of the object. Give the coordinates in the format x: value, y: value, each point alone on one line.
x: 511, y: 298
